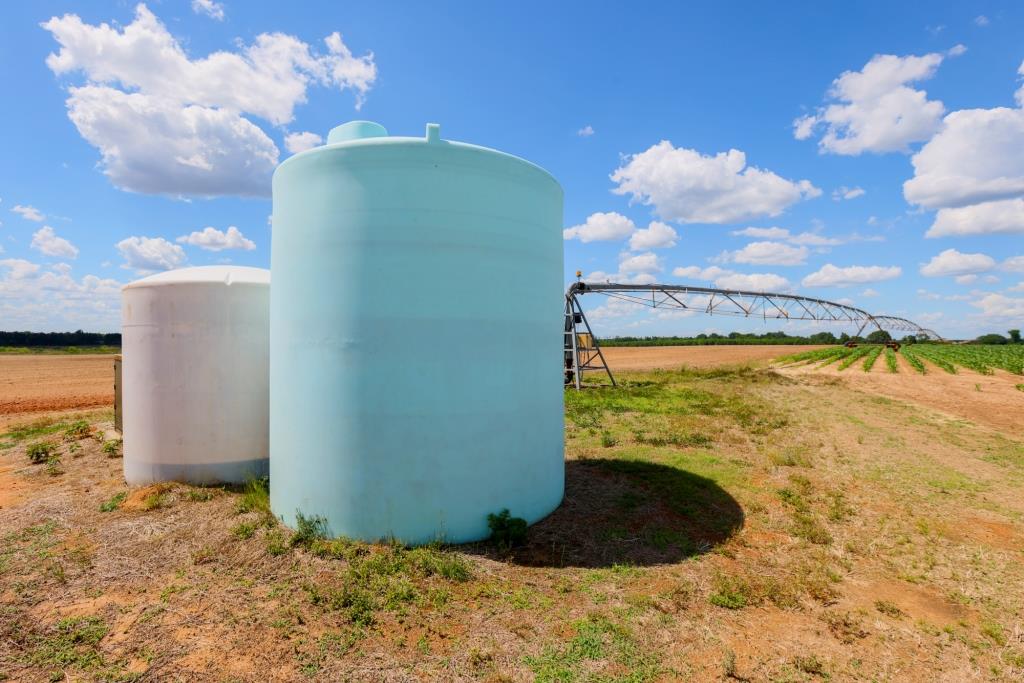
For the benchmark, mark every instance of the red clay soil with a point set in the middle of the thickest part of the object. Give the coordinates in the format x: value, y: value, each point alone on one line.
x: 624, y: 358
x: 31, y: 385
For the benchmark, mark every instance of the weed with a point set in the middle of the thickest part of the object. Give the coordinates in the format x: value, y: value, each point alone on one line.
x: 53, y: 467
x: 244, y: 530
x: 308, y: 530
x: 1020, y: 387
x: 846, y: 626
x: 276, y: 544
x: 155, y: 501
x: 608, y: 440
x: 729, y: 665
x: 201, y: 495
x: 794, y: 456
x: 731, y: 592
x: 838, y: 508
x: 112, y: 448
x: 889, y: 609
x: 993, y: 632
x: 40, y: 452
x: 79, y: 429
x: 810, y: 665
x: 507, y: 532
x: 255, y: 498
x: 73, y: 642
x: 597, y: 638
x: 114, y: 502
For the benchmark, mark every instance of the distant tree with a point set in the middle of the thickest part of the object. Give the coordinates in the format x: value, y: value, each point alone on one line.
x: 909, y: 339
x: 991, y: 339
x: 1014, y: 336
x: 823, y: 338
x: 843, y: 338
x: 879, y: 337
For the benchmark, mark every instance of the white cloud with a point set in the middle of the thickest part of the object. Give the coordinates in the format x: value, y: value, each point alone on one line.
x: 875, y: 109
x: 1019, y: 287
x: 698, y: 273
x: 1014, y: 264
x: 150, y: 254
x: 965, y: 279
x: 212, y: 9
x: 45, y: 240
x: 844, y: 192
x: 981, y: 20
x: 585, y: 131
x: 165, y: 123
x: 869, y: 292
x: 657, y: 235
x: 1000, y: 306
x: 768, y: 254
x: 813, y: 239
x: 640, y: 263
x: 601, y: 227
x: 686, y: 186
x: 1001, y: 217
x: 212, y: 239
x: 953, y: 262
x: 766, y: 233
x: 621, y: 278
x: 614, y: 308
x: 19, y: 269
x: 834, y: 276
x: 52, y: 300
x: 976, y: 158
x: 30, y: 213
x: 755, y: 282
x: 300, y: 142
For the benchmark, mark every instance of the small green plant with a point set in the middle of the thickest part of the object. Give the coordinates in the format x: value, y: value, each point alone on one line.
x: 244, y: 530
x: 40, y: 452
x: 114, y: 502
x: 112, y: 448
x: 79, y: 429
x: 889, y: 609
x: 255, y: 498
x: 276, y: 544
x: 53, y: 467
x: 1020, y: 387
x: 200, y: 495
x: 810, y: 665
x: 731, y: 592
x: 608, y: 440
x: 155, y: 501
x: 507, y: 531
x: 729, y: 665
x: 308, y: 530
x: 993, y: 632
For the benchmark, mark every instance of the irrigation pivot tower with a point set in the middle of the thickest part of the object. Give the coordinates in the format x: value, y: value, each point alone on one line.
x: 583, y: 352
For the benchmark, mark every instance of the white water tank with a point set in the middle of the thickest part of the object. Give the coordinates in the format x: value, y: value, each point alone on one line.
x: 195, y: 375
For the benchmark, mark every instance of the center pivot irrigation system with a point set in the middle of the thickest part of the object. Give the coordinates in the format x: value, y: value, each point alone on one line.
x: 583, y: 352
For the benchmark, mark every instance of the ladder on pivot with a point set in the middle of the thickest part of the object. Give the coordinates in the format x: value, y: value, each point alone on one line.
x: 581, y: 351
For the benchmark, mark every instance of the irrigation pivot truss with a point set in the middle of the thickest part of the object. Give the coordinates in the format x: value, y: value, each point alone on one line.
x: 583, y: 352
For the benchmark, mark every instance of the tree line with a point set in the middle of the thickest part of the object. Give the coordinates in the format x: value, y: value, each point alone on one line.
x: 738, y: 338
x: 76, y: 338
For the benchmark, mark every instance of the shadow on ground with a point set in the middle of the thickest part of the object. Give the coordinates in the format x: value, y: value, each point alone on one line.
x: 629, y: 512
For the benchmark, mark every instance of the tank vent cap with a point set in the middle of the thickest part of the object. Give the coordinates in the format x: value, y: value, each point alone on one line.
x: 356, y: 130
x: 434, y: 132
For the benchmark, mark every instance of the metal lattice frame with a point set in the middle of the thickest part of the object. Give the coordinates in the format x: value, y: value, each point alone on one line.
x: 710, y: 301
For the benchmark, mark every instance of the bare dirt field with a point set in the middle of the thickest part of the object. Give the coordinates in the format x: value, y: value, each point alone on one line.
x: 672, y: 357
x: 33, y: 385
x: 718, y: 524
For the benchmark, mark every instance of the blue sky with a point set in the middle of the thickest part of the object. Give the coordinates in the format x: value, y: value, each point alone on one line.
x: 865, y: 152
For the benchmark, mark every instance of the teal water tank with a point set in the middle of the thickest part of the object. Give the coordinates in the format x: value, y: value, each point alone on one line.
x: 415, y: 337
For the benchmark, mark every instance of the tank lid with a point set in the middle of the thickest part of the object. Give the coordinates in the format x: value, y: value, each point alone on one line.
x: 227, y: 275
x: 356, y: 130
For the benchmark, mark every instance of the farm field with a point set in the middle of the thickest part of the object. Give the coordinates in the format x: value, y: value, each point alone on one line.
x: 32, y: 385
x: 752, y: 523
x: 666, y: 357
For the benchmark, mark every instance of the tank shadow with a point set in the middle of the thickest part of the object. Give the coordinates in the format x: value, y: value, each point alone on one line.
x: 628, y: 512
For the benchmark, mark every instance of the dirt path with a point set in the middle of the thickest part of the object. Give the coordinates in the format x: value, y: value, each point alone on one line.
x: 669, y: 357
x: 34, y: 385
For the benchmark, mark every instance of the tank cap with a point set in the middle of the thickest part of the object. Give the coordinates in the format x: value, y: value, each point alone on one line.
x: 356, y: 130
x: 434, y: 132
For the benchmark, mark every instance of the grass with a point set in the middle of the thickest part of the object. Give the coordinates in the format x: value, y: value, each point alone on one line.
x: 59, y: 350
x: 114, y: 502
x: 112, y: 448
x: 596, y: 639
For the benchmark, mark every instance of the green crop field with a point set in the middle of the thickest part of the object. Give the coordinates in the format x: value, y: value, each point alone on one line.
x: 983, y: 358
